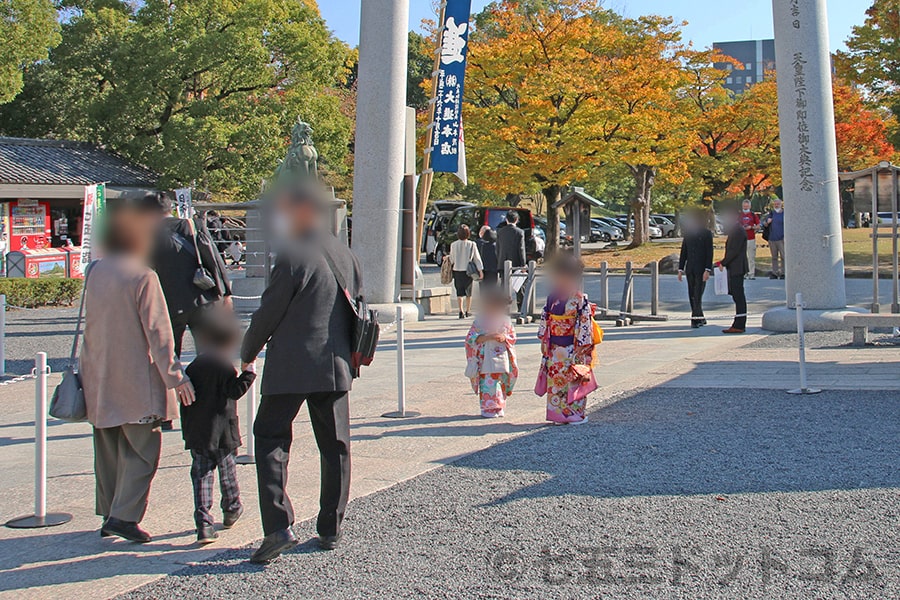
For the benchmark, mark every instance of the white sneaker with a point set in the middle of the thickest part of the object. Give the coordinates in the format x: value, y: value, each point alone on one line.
x: 581, y: 422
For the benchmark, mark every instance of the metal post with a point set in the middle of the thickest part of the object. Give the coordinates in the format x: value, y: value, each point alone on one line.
x: 252, y: 401
x: 654, y: 288
x: 40, y: 518
x: 604, y: 286
x: 629, y: 275
x: 401, y: 373
x: 804, y: 389
x: 2, y: 334
x: 895, y: 206
x: 876, y: 307
x: 531, y: 300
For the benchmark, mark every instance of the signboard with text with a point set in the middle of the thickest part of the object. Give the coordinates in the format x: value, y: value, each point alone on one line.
x: 447, y: 151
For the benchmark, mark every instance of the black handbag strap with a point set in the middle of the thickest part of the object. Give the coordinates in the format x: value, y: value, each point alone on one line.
x: 193, y: 227
x: 74, y: 355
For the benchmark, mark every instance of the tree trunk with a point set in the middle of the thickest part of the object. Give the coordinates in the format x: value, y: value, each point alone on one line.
x: 551, y: 196
x: 644, y: 178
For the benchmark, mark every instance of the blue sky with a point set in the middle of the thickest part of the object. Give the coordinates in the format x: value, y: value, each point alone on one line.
x: 708, y: 20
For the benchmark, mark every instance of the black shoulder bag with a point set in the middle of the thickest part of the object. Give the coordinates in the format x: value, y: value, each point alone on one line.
x: 767, y: 228
x: 365, y: 323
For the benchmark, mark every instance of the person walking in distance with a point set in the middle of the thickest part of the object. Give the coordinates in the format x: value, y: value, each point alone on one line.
x: 306, y: 323
x: 735, y: 261
x: 487, y: 248
x: 511, y: 247
x: 750, y: 223
x: 695, y: 263
x: 775, y: 223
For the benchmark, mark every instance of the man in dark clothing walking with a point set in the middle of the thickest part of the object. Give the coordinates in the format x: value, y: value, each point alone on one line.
x: 306, y: 322
x: 511, y: 247
x: 695, y: 263
x: 736, y: 262
x: 175, y: 260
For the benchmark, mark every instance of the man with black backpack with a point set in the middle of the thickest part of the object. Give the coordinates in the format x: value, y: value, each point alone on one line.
x: 310, y: 318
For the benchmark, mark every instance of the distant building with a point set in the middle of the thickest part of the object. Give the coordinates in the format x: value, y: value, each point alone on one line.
x: 757, y: 57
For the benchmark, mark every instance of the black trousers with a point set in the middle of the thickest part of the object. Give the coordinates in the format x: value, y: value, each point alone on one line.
x: 696, y: 287
x: 736, y: 290
x: 192, y: 318
x: 329, y: 413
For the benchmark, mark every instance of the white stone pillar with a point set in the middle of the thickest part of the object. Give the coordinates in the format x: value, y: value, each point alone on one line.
x: 380, y: 144
x: 813, y: 244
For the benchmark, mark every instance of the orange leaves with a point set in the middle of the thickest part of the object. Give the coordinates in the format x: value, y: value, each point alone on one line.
x: 861, y: 133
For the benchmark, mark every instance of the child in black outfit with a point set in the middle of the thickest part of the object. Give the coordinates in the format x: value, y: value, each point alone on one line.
x: 210, y: 425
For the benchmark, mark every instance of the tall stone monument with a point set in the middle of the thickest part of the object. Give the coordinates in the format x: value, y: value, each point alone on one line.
x: 813, y: 245
x: 380, y: 144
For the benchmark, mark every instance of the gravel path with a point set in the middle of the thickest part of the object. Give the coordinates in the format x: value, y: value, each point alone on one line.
x: 688, y: 493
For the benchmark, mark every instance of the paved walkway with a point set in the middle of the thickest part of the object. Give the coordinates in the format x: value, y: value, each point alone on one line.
x: 73, y: 562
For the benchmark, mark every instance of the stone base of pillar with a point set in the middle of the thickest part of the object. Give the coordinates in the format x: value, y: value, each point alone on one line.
x: 387, y: 313
x: 784, y: 320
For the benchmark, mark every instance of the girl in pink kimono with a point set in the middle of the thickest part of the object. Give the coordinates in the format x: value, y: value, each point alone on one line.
x: 567, y: 335
x: 491, y: 355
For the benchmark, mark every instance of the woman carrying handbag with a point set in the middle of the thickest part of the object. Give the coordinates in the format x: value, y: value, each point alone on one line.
x: 129, y: 372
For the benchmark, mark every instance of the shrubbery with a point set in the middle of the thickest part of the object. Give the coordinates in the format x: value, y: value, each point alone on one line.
x: 31, y: 293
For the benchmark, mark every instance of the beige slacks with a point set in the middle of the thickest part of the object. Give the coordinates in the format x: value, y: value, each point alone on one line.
x: 125, y: 461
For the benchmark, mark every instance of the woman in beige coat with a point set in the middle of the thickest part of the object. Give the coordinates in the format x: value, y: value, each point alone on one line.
x: 129, y: 370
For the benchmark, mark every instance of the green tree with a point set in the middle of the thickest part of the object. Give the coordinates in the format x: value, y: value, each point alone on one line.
x: 872, y: 58
x: 28, y: 29
x: 203, y: 92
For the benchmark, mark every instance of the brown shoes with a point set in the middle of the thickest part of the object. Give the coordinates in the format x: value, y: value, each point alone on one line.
x: 732, y: 330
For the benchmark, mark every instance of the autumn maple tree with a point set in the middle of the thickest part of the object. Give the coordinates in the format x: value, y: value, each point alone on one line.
x: 535, y: 94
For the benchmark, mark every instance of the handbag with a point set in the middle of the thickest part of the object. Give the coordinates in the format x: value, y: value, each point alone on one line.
x: 446, y: 271
x: 721, y: 282
x: 68, y: 402
x: 366, y: 330
x: 472, y: 367
x: 202, y: 278
x: 540, y: 386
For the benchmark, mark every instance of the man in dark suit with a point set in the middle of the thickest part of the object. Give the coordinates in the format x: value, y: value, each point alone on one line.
x: 175, y: 262
x: 511, y: 247
x: 735, y: 261
x: 695, y: 263
x: 306, y: 322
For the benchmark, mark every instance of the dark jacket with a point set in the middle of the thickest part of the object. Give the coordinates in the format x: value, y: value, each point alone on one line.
x: 696, y: 252
x: 211, y: 422
x: 488, y: 251
x: 511, y: 245
x: 735, y: 259
x: 175, y: 261
x: 306, y: 320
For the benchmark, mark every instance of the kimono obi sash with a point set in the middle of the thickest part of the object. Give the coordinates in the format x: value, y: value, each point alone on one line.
x: 562, y: 329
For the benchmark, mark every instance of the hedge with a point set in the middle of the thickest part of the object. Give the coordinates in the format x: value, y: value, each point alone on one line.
x: 31, y: 293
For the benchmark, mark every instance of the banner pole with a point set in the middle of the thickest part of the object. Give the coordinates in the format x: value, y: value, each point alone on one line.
x: 427, y: 174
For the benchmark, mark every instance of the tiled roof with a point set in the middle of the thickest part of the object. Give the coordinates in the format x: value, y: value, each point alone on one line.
x: 61, y: 162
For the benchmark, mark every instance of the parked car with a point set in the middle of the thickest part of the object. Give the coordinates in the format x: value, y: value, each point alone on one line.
x: 666, y: 225
x: 434, y: 225
x: 614, y: 223
x: 655, y: 231
x: 542, y: 226
x: 449, y: 205
x: 884, y: 218
x: 604, y: 232
x: 478, y: 216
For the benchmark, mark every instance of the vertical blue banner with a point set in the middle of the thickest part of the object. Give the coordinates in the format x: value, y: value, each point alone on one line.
x: 446, y: 135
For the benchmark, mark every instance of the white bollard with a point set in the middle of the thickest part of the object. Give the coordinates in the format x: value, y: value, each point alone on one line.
x: 401, y: 373
x: 2, y: 334
x: 803, y: 389
x: 40, y: 518
x: 252, y: 401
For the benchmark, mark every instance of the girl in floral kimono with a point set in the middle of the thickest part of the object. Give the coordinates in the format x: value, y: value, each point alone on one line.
x: 491, y: 355
x: 567, y: 335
